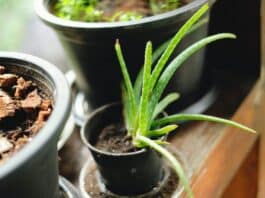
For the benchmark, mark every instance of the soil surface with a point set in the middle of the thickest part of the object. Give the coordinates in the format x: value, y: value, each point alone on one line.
x: 114, y: 139
x: 24, y: 109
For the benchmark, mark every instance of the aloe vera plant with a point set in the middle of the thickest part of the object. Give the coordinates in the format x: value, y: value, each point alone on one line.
x: 142, y: 101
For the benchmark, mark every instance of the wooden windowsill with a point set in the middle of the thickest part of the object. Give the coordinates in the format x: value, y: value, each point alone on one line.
x: 214, y: 153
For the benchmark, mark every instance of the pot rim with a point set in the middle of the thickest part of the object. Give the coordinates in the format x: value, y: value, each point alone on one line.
x: 59, y: 114
x: 90, y: 146
x: 42, y: 11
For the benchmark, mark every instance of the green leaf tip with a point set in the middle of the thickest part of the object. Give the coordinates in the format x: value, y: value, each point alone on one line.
x: 228, y: 35
x: 117, y: 43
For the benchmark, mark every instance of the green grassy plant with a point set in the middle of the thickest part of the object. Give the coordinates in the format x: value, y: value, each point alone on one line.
x: 142, y: 102
x: 87, y: 10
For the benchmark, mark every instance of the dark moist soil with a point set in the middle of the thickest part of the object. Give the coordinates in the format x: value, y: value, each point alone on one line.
x: 114, y: 139
x: 24, y: 109
x: 92, y: 186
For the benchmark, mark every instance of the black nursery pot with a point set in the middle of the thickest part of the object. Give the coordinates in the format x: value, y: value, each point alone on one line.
x: 90, y: 47
x: 127, y: 173
x: 33, y: 171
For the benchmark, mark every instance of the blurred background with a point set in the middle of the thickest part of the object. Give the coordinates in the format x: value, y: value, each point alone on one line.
x: 22, y: 31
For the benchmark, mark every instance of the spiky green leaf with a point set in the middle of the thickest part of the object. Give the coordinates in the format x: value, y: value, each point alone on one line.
x: 177, y: 62
x: 127, y: 79
x: 199, y: 117
x: 143, y: 109
x: 160, y: 107
x: 126, y: 108
x: 174, y: 42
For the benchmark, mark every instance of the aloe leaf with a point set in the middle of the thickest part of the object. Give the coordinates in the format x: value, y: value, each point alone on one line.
x: 139, y: 79
x: 159, y: 51
x: 138, y: 86
x: 169, y: 45
x: 199, y: 117
x: 160, y: 142
x: 127, y: 80
x: 174, y: 162
x: 161, y: 48
x: 162, y: 131
x: 126, y: 108
x: 176, y: 63
x: 143, y: 112
x: 174, y: 42
x: 197, y: 25
x: 160, y: 107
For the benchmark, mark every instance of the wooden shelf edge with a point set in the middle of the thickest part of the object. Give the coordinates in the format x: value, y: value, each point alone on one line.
x: 229, y: 152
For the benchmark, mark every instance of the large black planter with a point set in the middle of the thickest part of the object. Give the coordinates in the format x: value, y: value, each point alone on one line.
x: 91, y: 52
x: 33, y: 171
x: 124, y: 174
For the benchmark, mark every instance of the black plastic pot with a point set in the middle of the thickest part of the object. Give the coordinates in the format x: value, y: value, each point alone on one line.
x: 33, y: 171
x: 90, y: 47
x: 124, y: 174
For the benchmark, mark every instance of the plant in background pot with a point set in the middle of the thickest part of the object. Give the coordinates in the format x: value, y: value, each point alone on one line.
x: 128, y: 146
x: 110, y: 11
x: 34, y: 106
x: 89, y: 45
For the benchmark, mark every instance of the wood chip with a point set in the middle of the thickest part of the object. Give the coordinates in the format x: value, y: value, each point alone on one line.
x: 5, y: 145
x: 46, y: 104
x: 21, y: 87
x: 41, y: 119
x: 7, y: 80
x: 32, y: 101
x: 7, y: 105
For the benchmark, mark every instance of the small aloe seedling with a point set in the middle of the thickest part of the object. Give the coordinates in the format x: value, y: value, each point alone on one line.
x: 142, y: 102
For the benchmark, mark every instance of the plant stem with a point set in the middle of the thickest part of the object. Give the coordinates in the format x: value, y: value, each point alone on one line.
x: 175, y: 164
